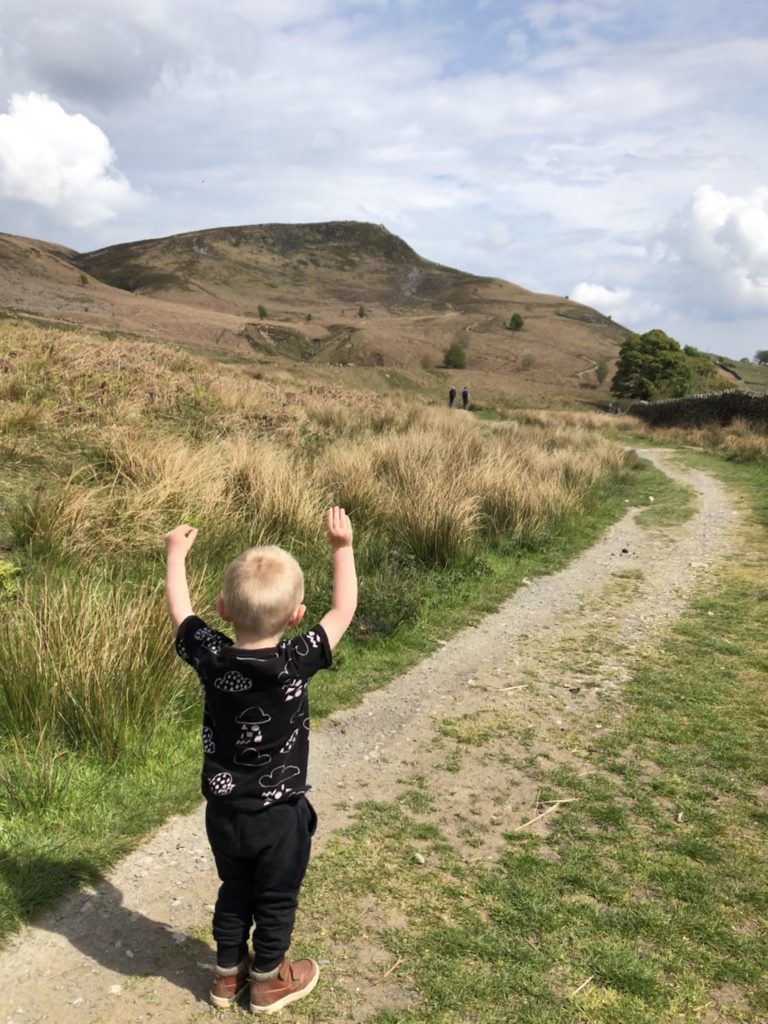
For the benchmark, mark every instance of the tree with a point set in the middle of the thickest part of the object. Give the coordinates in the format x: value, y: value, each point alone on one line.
x: 601, y: 371
x: 455, y: 356
x: 652, y: 365
x: 704, y: 375
x: 262, y: 311
x: 516, y: 322
x: 761, y: 357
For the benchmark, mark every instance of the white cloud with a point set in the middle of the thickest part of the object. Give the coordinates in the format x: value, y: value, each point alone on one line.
x: 59, y: 161
x: 714, y: 252
x: 610, y: 300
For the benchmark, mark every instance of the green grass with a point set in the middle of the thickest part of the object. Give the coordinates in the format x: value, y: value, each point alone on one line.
x: 65, y: 819
x: 752, y: 374
x: 646, y: 902
x: 673, y: 504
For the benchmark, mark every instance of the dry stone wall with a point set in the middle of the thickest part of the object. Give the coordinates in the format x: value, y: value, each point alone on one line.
x: 701, y: 410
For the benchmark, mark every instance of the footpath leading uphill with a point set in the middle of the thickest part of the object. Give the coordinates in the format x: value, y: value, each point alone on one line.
x: 135, y: 947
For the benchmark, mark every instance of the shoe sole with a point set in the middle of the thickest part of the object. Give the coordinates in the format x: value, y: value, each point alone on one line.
x: 292, y: 997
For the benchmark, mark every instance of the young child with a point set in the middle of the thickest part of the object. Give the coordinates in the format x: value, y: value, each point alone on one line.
x: 255, y: 742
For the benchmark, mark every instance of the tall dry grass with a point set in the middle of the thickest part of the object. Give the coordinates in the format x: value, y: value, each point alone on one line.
x: 158, y: 437
x: 92, y: 667
x: 738, y: 440
x: 436, y: 490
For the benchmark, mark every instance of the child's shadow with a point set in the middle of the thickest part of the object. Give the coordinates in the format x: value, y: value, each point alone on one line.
x: 101, y: 927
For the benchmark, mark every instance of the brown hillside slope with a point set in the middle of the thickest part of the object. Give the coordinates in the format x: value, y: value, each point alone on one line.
x: 206, y: 288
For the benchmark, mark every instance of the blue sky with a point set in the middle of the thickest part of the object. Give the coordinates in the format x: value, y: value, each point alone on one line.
x: 609, y: 150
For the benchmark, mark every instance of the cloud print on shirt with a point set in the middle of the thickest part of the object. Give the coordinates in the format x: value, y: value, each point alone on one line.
x: 252, y: 757
x: 253, y: 716
x: 279, y: 775
x: 232, y: 682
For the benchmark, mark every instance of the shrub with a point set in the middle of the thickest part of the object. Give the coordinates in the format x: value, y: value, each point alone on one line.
x: 83, y: 280
x: 516, y: 322
x: 262, y: 311
x: 455, y: 356
x: 361, y: 312
x: 601, y: 371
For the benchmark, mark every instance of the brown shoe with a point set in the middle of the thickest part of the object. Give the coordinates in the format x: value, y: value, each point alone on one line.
x: 294, y: 980
x: 228, y: 983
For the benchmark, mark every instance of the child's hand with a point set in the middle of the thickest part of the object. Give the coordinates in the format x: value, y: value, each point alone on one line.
x: 338, y: 528
x: 180, y: 540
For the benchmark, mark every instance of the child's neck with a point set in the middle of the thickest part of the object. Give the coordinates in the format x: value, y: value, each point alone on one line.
x: 250, y: 641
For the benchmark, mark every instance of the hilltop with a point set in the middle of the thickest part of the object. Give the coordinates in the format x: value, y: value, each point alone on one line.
x: 330, y: 294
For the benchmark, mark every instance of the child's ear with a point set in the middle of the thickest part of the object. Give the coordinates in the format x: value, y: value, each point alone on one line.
x: 297, y: 616
x: 221, y: 609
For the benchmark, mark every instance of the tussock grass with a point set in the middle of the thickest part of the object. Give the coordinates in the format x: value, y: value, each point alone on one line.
x: 436, y: 489
x: 84, y: 652
x: 739, y: 440
x: 565, y: 418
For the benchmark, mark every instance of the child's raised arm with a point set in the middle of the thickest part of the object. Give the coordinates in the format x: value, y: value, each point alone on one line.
x: 344, y: 602
x: 177, y: 545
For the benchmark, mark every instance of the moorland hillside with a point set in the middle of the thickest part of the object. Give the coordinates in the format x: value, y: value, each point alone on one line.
x: 317, y: 295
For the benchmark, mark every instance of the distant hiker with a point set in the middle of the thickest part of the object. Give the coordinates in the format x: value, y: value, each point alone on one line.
x: 465, y: 398
x: 452, y: 398
x: 255, y: 744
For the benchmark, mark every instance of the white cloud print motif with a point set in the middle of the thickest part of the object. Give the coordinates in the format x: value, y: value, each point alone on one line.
x: 278, y: 780
x: 232, y: 682
x: 278, y: 776
x: 250, y: 721
x: 209, y: 638
x: 252, y: 757
x: 221, y: 784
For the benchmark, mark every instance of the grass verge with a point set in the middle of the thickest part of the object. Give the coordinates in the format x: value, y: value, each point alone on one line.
x: 647, y: 900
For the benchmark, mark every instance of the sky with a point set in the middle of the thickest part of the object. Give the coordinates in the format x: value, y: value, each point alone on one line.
x: 613, y: 151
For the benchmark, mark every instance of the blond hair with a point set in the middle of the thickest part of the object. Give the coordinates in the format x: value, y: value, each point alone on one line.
x: 262, y: 588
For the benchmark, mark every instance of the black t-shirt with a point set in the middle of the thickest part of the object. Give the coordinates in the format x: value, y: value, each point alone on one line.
x: 256, y: 721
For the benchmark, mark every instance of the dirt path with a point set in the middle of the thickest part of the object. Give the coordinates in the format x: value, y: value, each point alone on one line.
x: 131, y: 948
x: 590, y: 369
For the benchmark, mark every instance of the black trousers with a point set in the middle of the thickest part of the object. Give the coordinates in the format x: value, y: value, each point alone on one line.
x: 261, y: 858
